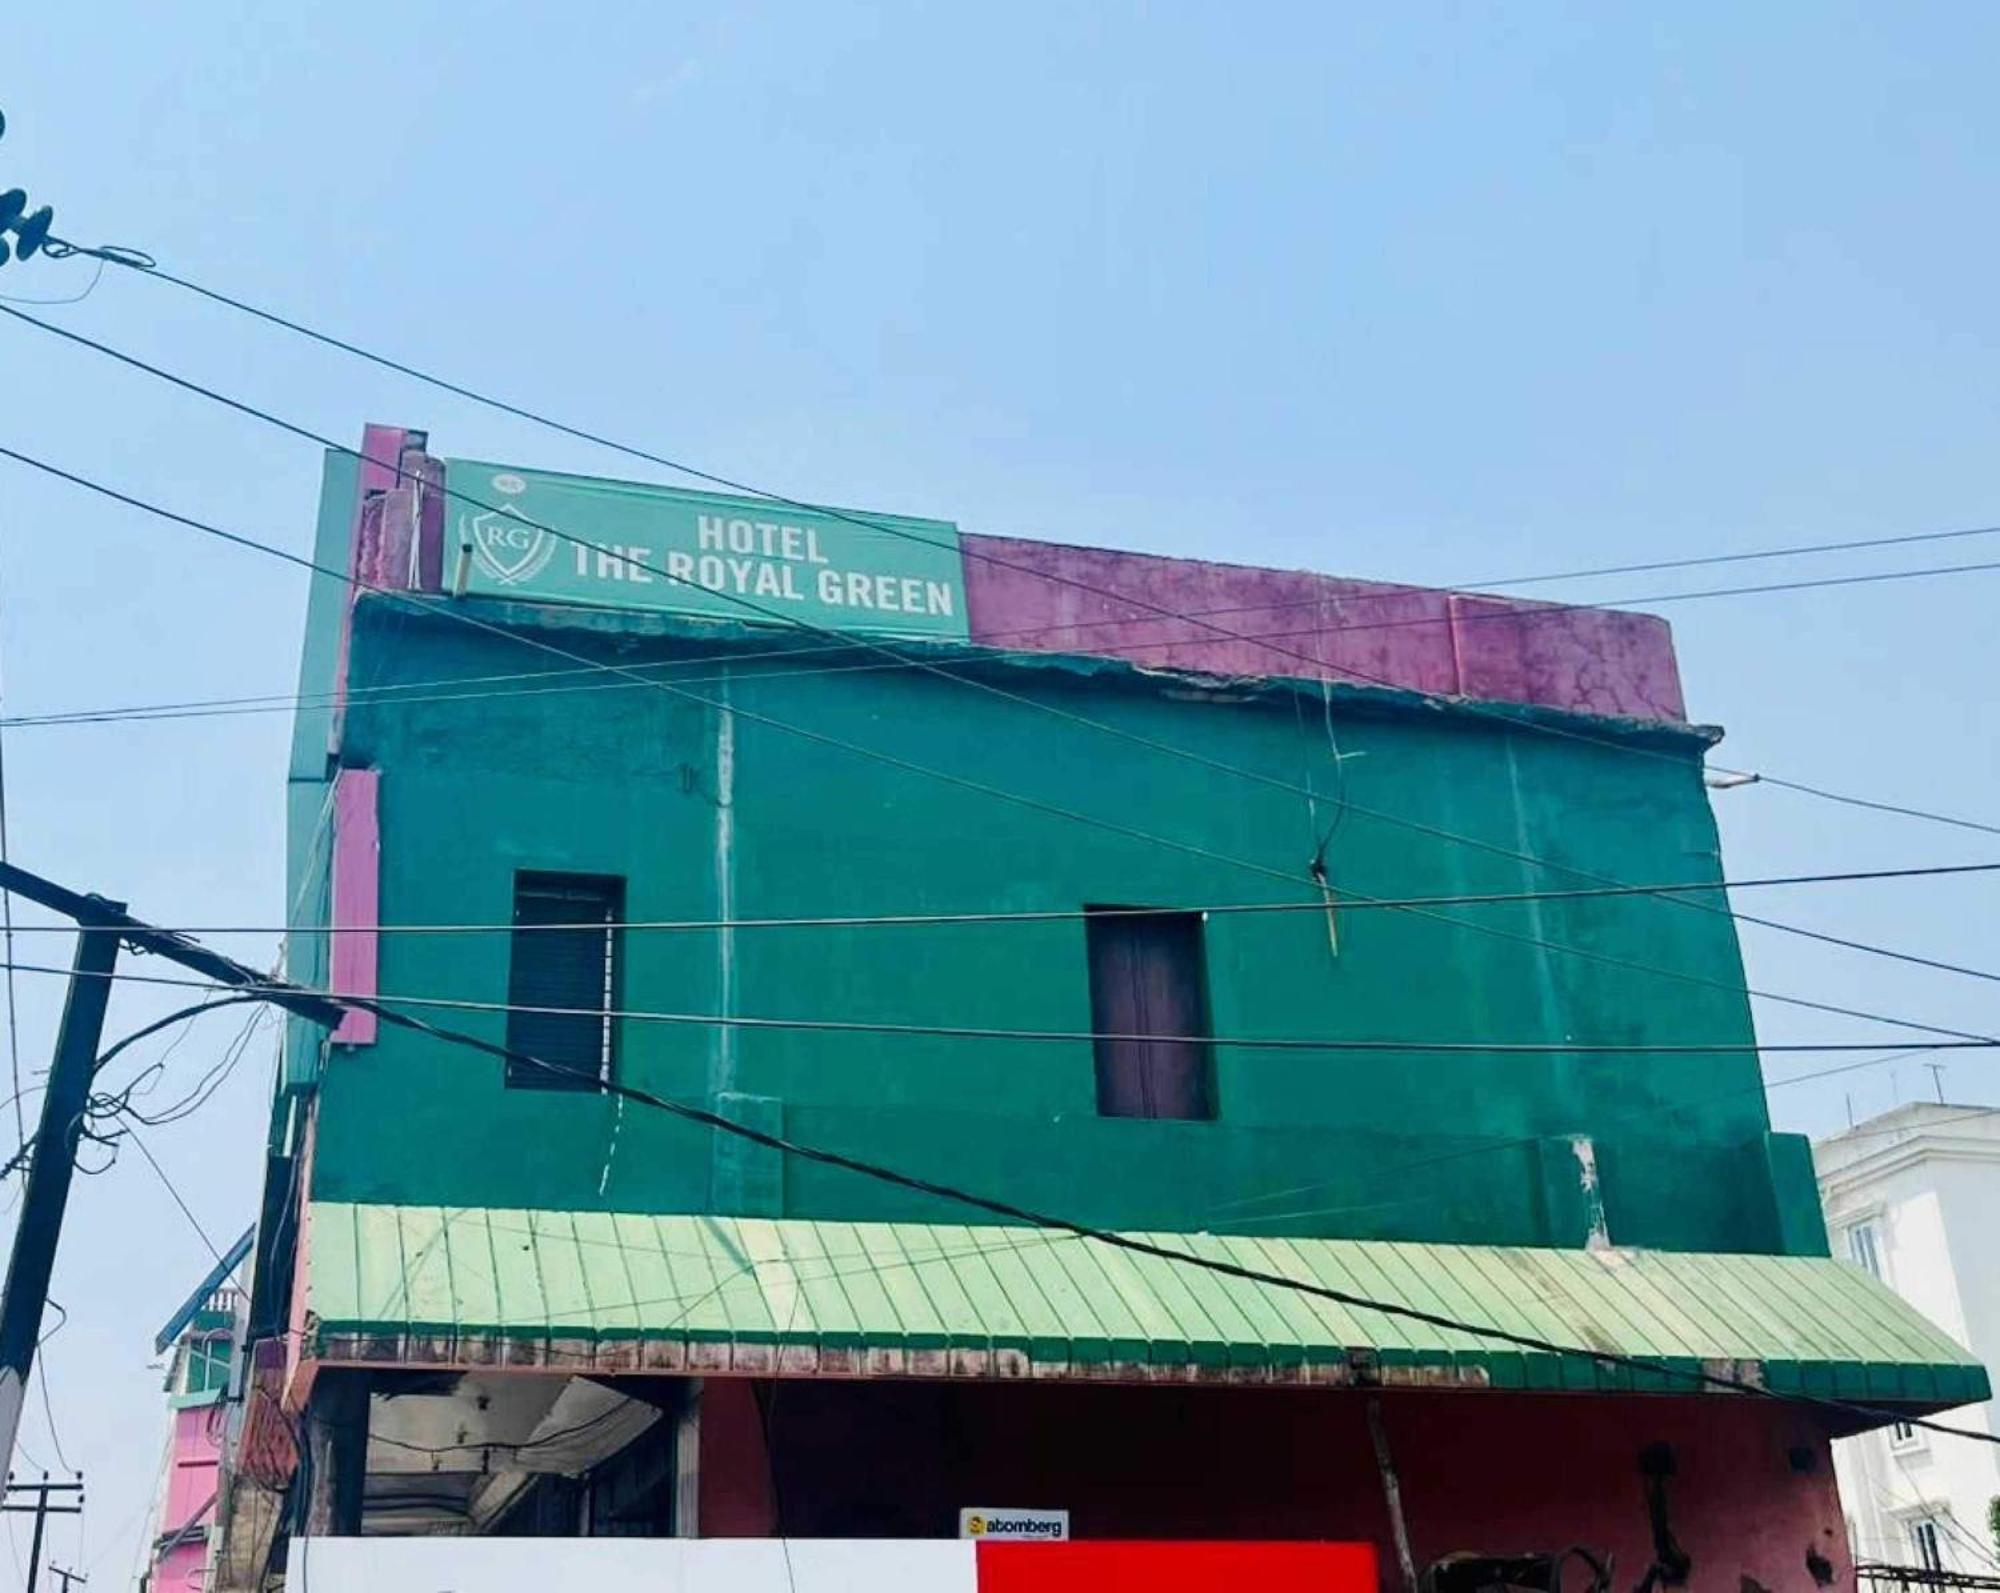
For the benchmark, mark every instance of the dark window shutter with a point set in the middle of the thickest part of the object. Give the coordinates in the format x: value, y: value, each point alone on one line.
x: 573, y: 968
x: 1147, y: 977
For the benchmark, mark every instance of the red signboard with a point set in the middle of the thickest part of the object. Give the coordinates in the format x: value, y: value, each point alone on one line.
x: 1095, y: 1566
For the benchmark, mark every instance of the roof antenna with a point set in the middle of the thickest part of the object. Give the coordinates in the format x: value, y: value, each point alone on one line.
x: 1937, y: 1079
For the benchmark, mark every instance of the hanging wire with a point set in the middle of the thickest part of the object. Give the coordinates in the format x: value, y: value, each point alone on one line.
x: 7, y: 938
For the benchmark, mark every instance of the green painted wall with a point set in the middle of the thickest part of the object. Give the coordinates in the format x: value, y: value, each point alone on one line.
x: 308, y: 782
x: 710, y: 813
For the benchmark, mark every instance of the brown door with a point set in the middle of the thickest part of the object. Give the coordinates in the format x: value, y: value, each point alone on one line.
x: 1147, y: 978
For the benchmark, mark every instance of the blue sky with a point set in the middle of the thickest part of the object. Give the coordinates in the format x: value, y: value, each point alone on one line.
x: 1431, y: 292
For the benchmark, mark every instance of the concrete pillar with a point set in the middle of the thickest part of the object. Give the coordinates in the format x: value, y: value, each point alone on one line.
x: 735, y: 1486
x: 336, y: 1452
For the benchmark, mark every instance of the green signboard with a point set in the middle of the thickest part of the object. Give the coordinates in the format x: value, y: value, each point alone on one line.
x: 698, y: 553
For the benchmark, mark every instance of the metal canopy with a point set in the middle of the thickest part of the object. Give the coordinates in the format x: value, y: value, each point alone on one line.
x: 617, y: 1292
x: 217, y: 1276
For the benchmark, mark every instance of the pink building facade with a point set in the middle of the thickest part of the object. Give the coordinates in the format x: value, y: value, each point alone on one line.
x: 194, y: 1462
x: 200, y: 1342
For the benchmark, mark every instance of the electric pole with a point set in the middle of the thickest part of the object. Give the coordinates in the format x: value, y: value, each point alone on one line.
x: 101, y: 927
x: 41, y: 1509
x: 52, y: 1164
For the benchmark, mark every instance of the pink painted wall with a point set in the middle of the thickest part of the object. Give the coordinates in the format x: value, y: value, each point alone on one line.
x: 1239, y: 619
x: 1047, y: 597
x: 1481, y: 1471
x: 197, y: 1448
x: 399, y: 545
x: 357, y: 896
x: 381, y: 459
x: 1591, y: 660
x: 182, y: 1570
x: 193, y: 1470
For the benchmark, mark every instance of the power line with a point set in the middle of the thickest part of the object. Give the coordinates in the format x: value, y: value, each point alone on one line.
x: 146, y: 265
x: 167, y: 1183
x: 234, y: 977
x: 7, y: 942
x: 1265, y: 1217
x: 1129, y: 1243
x: 1057, y: 1036
x: 1878, y: 807
x: 272, y: 705
x: 423, y: 605
x: 1916, y: 1501
x: 1229, y: 1042
x: 397, y: 693
x: 49, y: 1411
x: 1167, y: 748
x: 410, y: 692
x: 1346, y: 807
x: 111, y: 1053
x: 1242, y: 1214
x: 1512, y: 719
x: 1135, y: 1244
x: 691, y: 1302
x: 198, y: 1009
x: 1084, y: 914
x: 42, y: 1378
x: 793, y: 622
x: 902, y: 532
x: 203, y: 1092
x: 1795, y: 550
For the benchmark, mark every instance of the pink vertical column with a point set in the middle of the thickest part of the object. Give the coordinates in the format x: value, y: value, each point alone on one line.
x: 357, y: 896
x: 380, y: 468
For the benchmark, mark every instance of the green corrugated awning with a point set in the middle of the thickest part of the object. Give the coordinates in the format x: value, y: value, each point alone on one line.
x: 616, y: 1292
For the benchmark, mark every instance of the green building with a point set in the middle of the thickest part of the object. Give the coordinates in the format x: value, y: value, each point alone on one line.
x: 1278, y: 917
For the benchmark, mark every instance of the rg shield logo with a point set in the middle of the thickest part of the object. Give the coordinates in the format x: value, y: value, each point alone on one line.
x: 506, y: 546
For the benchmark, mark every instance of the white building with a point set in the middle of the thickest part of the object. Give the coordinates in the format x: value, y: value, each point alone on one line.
x: 1913, y: 1196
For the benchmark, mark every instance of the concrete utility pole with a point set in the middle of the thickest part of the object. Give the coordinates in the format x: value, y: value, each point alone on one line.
x: 102, y: 926
x: 42, y: 1510
x: 51, y: 1167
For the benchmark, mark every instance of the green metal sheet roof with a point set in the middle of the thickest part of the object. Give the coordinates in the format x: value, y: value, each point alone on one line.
x: 692, y: 1293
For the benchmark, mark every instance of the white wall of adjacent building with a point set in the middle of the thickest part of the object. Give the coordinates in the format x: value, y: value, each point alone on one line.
x: 1914, y: 1197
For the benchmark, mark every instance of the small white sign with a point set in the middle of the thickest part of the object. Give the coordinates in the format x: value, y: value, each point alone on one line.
x: 638, y: 1565
x: 1014, y: 1526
